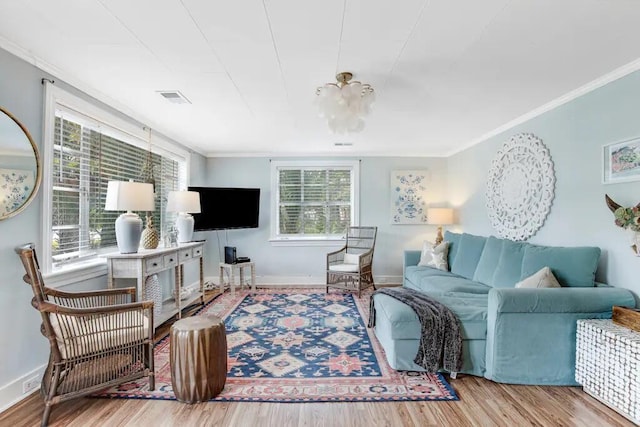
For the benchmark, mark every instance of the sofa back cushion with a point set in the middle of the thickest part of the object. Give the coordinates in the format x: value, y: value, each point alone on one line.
x: 573, y: 267
x: 454, y: 243
x: 508, y: 270
x: 488, y: 261
x: 468, y: 254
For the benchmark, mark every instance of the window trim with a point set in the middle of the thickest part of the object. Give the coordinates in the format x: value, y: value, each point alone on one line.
x: 309, y: 240
x: 134, y: 134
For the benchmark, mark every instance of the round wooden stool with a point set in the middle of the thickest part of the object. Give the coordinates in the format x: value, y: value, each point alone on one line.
x: 198, y: 350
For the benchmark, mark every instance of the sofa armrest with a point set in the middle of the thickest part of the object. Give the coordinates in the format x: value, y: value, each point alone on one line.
x: 564, y: 300
x: 531, y: 333
x: 411, y: 258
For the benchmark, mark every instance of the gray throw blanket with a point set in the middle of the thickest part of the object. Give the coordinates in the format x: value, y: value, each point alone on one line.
x: 441, y: 338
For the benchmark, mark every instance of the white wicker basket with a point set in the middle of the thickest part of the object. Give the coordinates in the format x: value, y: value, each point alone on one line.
x: 608, y: 365
x: 153, y: 292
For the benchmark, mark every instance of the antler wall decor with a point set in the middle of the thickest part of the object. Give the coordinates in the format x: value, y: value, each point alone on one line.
x: 627, y: 218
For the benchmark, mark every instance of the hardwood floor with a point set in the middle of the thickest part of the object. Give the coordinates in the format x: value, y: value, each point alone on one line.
x: 482, y: 403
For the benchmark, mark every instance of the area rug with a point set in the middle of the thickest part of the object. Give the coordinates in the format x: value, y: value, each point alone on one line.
x: 298, y: 346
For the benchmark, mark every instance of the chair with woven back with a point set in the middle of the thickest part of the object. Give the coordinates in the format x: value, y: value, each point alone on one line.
x: 97, y: 339
x: 351, y: 267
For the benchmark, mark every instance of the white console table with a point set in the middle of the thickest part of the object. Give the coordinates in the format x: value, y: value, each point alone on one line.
x: 146, y: 262
x: 608, y: 365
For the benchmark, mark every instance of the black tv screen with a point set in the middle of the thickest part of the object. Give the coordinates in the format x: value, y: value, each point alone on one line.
x: 227, y: 208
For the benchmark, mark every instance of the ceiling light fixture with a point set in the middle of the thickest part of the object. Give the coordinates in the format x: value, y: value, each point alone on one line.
x: 344, y: 104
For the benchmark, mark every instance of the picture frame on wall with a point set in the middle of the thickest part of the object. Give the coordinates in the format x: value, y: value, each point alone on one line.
x: 621, y: 161
x: 408, y: 197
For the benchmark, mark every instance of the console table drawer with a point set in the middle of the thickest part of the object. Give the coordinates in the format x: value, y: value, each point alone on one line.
x: 171, y: 260
x: 154, y: 265
x: 197, y: 252
x: 185, y: 254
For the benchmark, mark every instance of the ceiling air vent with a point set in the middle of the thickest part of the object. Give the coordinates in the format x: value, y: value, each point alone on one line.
x: 174, y: 96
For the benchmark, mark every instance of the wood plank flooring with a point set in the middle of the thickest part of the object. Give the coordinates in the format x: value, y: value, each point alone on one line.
x: 482, y: 403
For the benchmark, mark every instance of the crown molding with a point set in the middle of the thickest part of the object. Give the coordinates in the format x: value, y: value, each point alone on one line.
x: 325, y: 154
x: 47, y: 67
x: 570, y: 96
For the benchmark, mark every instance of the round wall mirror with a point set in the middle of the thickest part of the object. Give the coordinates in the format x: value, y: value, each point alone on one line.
x: 20, y: 171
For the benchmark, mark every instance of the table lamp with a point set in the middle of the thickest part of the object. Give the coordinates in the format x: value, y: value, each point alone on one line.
x: 129, y: 196
x: 185, y: 203
x: 440, y: 217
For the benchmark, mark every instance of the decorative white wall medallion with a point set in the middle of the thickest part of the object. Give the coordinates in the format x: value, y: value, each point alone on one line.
x: 408, y: 190
x: 520, y: 187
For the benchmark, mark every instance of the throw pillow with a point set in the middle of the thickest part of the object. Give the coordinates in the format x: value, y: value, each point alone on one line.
x: 434, y: 256
x: 544, y: 278
x: 351, y: 258
x: 425, y: 255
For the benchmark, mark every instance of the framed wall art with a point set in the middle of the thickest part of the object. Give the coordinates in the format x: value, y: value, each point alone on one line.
x: 408, y: 190
x: 621, y: 161
x: 15, y: 187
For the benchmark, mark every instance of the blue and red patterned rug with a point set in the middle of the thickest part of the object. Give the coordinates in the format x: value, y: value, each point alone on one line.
x: 298, y: 345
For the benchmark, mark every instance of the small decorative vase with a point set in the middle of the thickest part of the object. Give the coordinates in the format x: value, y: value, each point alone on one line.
x: 150, y: 236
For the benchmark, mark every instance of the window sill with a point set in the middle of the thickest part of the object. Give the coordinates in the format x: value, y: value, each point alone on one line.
x: 75, y: 273
x: 307, y: 242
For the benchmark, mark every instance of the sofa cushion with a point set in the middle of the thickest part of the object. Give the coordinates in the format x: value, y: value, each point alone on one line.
x: 454, y: 240
x: 508, y: 269
x: 471, y: 310
x: 572, y: 266
x: 416, y: 274
x: 468, y: 254
x: 439, y: 284
x: 77, y: 336
x: 488, y: 260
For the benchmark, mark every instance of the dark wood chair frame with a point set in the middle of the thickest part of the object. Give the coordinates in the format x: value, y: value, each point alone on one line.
x: 88, y: 350
x: 361, y: 241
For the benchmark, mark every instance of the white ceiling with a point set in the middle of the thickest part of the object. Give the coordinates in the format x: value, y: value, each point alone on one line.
x: 446, y: 72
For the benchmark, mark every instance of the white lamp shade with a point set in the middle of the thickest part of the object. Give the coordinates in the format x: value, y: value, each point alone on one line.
x: 129, y: 196
x: 440, y: 216
x: 183, y: 201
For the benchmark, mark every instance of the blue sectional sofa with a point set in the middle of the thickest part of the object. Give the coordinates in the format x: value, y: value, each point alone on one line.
x: 510, y: 335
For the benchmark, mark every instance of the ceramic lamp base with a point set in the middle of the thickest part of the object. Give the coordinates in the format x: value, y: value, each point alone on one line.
x: 128, y: 232
x: 184, y: 224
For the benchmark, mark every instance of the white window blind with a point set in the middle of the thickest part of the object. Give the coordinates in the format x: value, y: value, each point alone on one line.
x: 314, y: 201
x: 87, y: 155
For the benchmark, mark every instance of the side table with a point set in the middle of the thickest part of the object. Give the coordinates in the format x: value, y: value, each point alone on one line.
x: 608, y: 365
x: 230, y: 269
x: 198, y: 358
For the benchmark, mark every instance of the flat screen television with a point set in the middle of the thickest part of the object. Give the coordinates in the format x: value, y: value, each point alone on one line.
x: 227, y: 208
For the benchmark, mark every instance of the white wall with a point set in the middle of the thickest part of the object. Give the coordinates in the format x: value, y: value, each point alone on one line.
x: 301, y: 265
x: 574, y: 134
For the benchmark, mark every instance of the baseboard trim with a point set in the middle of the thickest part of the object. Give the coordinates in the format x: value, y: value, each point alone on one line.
x: 11, y: 393
x: 303, y: 281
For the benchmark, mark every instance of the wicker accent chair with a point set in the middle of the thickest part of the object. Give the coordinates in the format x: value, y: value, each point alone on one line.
x: 97, y: 339
x: 351, y: 268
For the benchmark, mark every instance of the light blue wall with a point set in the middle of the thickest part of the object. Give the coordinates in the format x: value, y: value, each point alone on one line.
x: 24, y: 348
x: 574, y: 134
x: 309, y: 262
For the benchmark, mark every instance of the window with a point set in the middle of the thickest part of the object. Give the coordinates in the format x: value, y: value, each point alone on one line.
x: 82, y: 154
x: 314, y: 200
